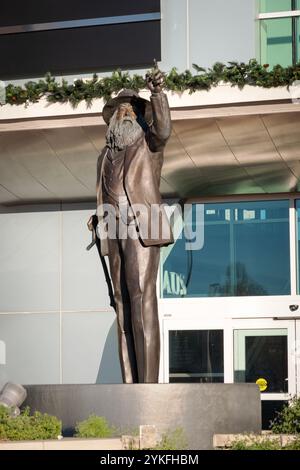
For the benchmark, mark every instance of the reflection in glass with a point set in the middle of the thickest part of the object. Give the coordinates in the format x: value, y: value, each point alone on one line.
x: 269, y: 6
x: 298, y: 243
x: 277, y: 42
x: 261, y: 355
x: 297, y: 34
x: 245, y: 253
x: 196, y: 356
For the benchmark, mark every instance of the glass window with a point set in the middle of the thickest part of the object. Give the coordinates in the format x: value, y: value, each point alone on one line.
x: 277, y: 42
x: 269, y: 6
x: 297, y: 34
x: 245, y: 253
x: 279, y: 37
x: 260, y: 356
x: 196, y: 356
x: 298, y: 242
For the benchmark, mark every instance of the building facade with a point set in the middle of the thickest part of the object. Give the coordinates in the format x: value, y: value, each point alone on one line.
x: 229, y: 310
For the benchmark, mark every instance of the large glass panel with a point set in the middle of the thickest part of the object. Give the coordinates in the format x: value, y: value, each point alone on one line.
x: 268, y: 6
x: 196, y: 356
x: 260, y: 356
x: 245, y: 253
x: 298, y: 243
x: 277, y: 42
x: 297, y: 26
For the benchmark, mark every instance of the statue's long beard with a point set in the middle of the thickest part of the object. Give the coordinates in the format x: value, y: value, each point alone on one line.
x: 121, y: 133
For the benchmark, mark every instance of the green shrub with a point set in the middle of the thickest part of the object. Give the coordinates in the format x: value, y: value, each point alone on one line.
x: 28, y: 427
x: 94, y: 426
x: 173, y: 440
x: 259, y: 445
x: 288, y: 420
x: 264, y: 445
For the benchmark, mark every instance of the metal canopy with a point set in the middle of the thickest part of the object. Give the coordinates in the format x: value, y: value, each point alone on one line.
x: 205, y: 157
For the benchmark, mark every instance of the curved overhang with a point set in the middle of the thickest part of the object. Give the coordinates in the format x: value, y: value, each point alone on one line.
x: 250, y: 147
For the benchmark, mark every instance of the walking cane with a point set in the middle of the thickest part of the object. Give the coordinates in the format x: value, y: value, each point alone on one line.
x: 92, y: 225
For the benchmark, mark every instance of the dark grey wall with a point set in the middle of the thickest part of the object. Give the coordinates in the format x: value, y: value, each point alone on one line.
x: 74, y: 49
x: 214, y: 30
x: 200, y: 410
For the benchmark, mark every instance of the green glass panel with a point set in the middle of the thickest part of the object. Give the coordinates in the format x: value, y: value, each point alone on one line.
x: 276, y: 42
x: 298, y: 242
x: 298, y: 38
x: 268, y: 6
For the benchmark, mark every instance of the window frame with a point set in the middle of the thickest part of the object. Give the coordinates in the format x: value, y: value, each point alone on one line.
x: 294, y: 14
x: 293, y: 231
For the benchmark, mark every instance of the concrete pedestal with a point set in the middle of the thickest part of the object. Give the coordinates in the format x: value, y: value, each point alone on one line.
x: 201, y: 410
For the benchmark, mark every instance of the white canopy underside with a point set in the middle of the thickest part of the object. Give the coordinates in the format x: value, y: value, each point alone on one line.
x: 213, y: 151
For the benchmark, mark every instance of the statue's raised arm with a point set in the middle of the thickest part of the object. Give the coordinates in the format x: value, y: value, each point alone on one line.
x: 160, y: 129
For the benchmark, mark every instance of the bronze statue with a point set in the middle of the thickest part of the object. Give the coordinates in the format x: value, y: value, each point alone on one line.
x: 128, y: 177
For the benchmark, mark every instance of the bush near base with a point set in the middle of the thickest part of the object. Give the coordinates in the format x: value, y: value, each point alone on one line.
x: 27, y: 427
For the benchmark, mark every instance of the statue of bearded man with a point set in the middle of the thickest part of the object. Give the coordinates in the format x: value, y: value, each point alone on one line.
x: 128, y: 177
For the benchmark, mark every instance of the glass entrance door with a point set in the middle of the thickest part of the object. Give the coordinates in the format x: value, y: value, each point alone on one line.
x: 265, y: 353
x: 261, y: 351
x: 297, y: 356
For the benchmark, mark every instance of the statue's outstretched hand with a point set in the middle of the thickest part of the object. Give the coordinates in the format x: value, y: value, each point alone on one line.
x: 155, y: 81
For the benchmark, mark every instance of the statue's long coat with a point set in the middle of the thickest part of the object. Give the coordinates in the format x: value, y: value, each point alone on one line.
x: 142, y: 170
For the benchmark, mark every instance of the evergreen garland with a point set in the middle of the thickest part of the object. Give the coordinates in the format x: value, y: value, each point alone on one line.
x: 237, y: 74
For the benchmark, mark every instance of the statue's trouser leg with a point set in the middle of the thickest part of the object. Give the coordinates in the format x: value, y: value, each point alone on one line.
x: 125, y: 333
x: 141, y: 266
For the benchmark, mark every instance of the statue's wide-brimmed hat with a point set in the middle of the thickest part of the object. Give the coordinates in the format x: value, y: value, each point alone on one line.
x: 128, y: 96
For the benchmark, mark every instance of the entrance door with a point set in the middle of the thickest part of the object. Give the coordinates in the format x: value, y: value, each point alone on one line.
x: 264, y: 353
x: 261, y: 351
x: 297, y: 355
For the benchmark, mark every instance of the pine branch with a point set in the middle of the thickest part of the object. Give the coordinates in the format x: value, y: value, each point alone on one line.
x: 235, y: 73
